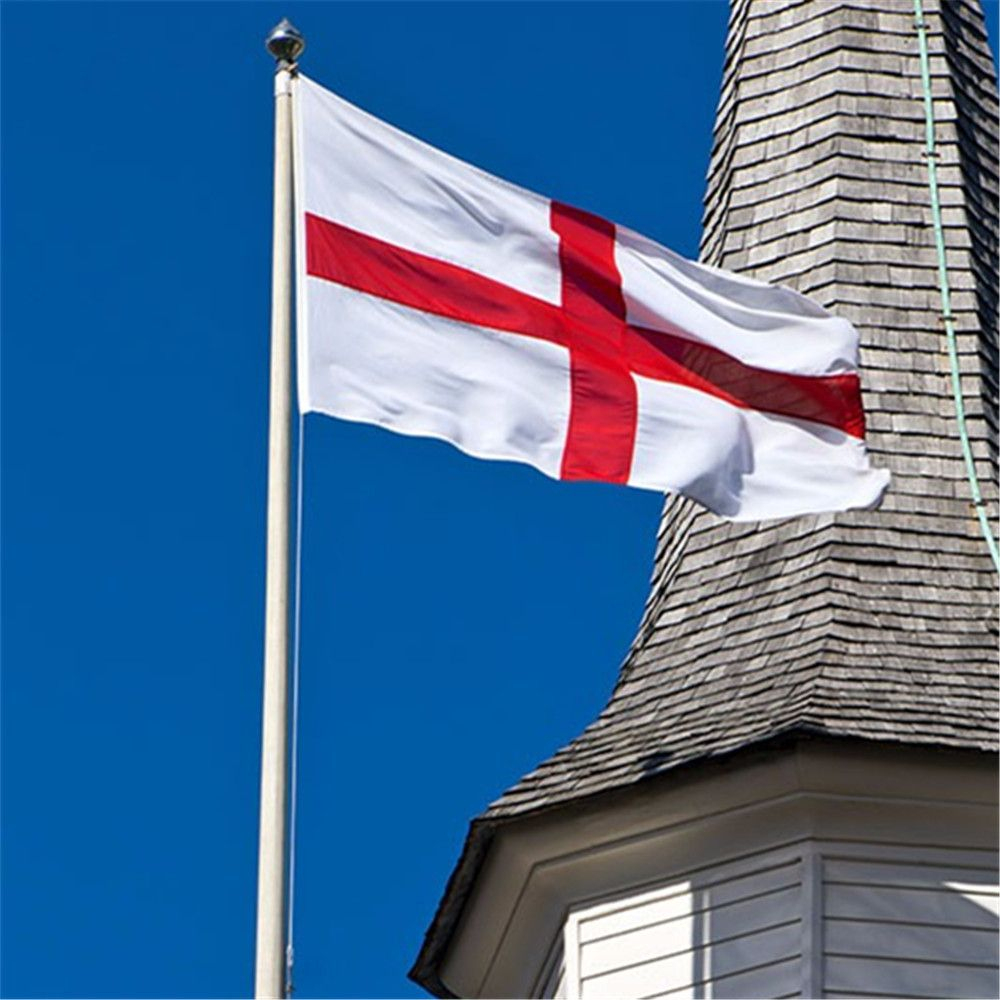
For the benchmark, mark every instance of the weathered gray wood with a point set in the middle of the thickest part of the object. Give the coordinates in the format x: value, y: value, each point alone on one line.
x: 880, y: 625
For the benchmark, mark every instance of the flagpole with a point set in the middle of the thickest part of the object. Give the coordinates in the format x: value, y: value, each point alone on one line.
x: 285, y: 44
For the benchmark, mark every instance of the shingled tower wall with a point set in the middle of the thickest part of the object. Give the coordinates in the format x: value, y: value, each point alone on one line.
x: 877, y: 624
x: 872, y: 630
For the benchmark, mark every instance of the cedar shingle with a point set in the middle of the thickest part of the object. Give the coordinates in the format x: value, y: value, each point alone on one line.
x: 876, y: 625
x: 880, y: 625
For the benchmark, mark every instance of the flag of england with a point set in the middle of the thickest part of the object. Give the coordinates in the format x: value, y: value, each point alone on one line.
x: 437, y: 300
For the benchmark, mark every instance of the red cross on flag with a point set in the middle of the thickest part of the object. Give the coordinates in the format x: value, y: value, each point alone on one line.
x: 437, y: 300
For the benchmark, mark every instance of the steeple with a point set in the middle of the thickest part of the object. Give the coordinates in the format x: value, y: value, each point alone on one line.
x: 874, y: 631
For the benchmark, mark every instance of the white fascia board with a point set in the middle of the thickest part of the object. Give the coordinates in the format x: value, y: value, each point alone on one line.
x: 540, y: 867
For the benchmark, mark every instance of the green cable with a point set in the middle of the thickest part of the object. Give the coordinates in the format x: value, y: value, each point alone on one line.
x: 956, y: 382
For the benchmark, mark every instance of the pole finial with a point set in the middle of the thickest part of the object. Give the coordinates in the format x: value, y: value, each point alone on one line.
x: 285, y: 43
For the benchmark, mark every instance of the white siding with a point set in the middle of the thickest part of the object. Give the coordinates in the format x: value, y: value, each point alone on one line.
x: 886, y: 921
x: 731, y: 930
x: 820, y: 872
x: 914, y: 928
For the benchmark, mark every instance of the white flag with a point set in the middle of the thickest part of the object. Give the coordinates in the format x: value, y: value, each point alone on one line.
x: 438, y: 300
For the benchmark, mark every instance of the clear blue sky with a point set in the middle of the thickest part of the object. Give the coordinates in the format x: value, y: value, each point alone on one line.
x: 461, y: 619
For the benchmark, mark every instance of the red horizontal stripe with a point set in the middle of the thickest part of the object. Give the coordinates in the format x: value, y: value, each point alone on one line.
x: 366, y: 264
x: 355, y: 260
x: 834, y: 400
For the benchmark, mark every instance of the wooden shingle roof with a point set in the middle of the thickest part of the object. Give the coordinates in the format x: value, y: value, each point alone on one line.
x: 880, y: 624
x: 875, y: 625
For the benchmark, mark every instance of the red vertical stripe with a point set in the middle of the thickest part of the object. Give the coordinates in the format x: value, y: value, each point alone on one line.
x: 603, y: 404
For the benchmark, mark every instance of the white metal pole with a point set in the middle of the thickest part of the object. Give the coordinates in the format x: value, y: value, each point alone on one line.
x: 285, y: 44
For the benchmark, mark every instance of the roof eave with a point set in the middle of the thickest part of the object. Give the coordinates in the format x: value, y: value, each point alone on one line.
x: 484, y: 829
